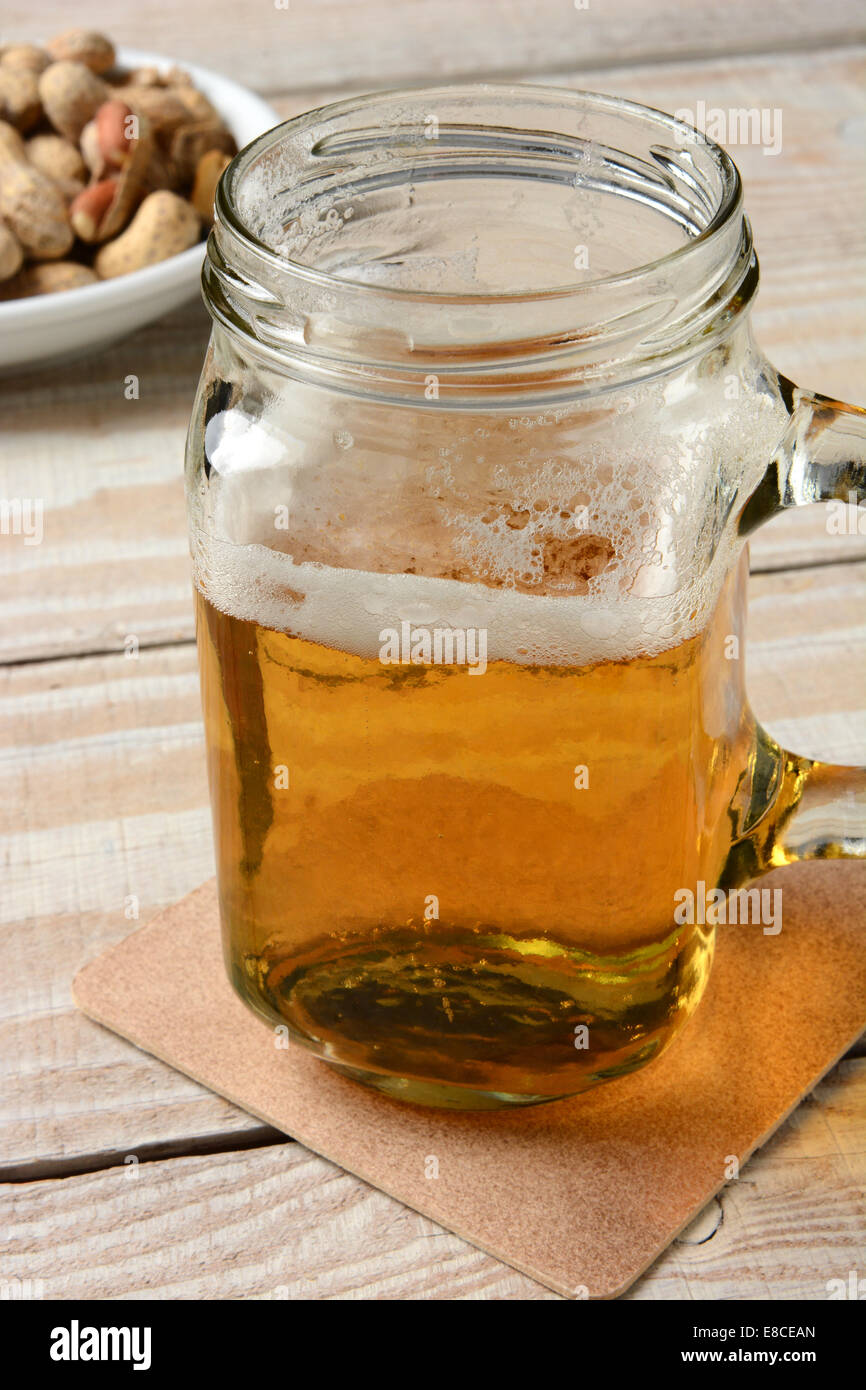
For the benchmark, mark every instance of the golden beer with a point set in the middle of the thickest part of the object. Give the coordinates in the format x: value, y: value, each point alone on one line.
x: 460, y: 886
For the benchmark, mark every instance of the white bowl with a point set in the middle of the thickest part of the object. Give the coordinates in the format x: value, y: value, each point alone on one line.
x: 50, y: 327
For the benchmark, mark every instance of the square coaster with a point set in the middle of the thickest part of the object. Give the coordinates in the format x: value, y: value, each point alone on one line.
x: 583, y: 1194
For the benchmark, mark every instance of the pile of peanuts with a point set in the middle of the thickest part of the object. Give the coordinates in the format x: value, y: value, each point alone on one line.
x: 102, y: 172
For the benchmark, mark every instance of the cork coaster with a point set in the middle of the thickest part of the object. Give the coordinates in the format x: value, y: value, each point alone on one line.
x: 581, y: 1195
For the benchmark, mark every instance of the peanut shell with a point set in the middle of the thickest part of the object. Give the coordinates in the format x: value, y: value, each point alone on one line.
x: 164, y: 226
x: 11, y: 254
x: 59, y: 159
x: 85, y: 46
x: 71, y: 94
x: 20, y: 103
x: 34, y: 208
x: 52, y: 277
x: 25, y: 55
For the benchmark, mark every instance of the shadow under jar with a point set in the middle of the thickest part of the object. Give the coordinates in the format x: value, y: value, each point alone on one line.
x: 479, y: 438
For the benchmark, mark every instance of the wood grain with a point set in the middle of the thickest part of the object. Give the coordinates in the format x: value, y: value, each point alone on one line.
x: 324, y: 43
x: 106, y: 816
x: 806, y: 659
x: 281, y: 1223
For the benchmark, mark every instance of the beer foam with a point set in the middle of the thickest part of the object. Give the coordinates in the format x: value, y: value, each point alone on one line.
x: 350, y: 610
x: 569, y: 536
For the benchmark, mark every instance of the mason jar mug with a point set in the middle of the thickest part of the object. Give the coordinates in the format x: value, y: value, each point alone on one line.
x: 480, y: 438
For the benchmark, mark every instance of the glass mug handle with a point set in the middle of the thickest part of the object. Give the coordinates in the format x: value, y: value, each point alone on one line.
x: 817, y: 810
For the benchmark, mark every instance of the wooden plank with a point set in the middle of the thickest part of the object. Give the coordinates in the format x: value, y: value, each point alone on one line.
x: 126, y: 820
x: 113, y: 561
x: 114, y: 558
x: 275, y: 47
x: 102, y: 762
x: 277, y: 1223
x: 281, y: 1223
x: 807, y: 536
x: 806, y: 660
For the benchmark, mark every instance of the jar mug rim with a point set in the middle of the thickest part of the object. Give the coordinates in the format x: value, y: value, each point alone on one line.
x: 307, y: 176
x: 728, y: 191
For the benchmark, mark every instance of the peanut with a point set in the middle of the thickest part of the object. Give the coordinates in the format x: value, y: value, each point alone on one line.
x: 12, y: 148
x: 25, y: 55
x: 88, y: 212
x: 108, y: 139
x: 121, y: 161
x: 58, y: 159
x: 33, y: 206
x: 19, y: 96
x: 85, y: 46
x: 53, y: 277
x: 71, y: 94
x: 207, y: 175
x: 91, y: 153
x: 163, y: 226
x: 11, y: 254
x: 117, y: 129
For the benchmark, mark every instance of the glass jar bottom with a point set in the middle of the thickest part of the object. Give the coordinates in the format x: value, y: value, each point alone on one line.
x: 469, y: 1020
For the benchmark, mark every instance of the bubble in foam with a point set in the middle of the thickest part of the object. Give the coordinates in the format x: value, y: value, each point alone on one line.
x: 602, y: 623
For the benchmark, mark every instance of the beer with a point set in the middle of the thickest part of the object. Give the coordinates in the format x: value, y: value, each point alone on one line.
x: 458, y: 884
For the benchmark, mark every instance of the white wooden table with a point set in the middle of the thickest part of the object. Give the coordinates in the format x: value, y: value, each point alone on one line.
x: 102, y: 756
